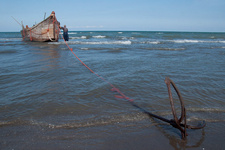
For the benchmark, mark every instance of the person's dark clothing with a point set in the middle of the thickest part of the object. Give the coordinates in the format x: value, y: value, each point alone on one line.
x: 66, y: 36
x: 65, y: 33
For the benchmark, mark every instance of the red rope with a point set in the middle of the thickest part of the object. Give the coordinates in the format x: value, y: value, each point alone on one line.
x: 114, y: 89
x: 33, y: 32
x: 30, y: 34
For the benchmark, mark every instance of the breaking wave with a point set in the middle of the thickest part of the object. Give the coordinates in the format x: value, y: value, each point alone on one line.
x: 113, y: 119
x: 197, y: 41
x: 150, y: 42
x: 11, y: 39
x: 72, y: 32
x: 100, y: 121
x: 95, y: 42
x: 99, y: 37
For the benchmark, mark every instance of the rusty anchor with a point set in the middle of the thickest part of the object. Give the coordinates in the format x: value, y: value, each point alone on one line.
x: 180, y: 123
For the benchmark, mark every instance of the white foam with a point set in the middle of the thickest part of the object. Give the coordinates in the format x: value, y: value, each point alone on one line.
x: 10, y: 39
x: 108, y: 42
x: 99, y: 37
x: 75, y: 37
x: 83, y: 37
x: 187, y: 41
x: 94, y: 43
x: 126, y: 42
x: 150, y: 42
x: 153, y: 42
x: 197, y: 41
x: 125, y: 38
x: 84, y: 48
x: 102, y: 42
x: 171, y: 49
x: 72, y: 33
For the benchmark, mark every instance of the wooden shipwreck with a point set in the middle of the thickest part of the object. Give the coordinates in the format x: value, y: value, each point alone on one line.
x: 45, y: 31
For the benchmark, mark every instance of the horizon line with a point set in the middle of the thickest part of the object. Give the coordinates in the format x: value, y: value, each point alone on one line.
x: 133, y: 31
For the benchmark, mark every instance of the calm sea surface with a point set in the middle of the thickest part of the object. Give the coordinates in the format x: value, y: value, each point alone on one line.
x: 49, y: 100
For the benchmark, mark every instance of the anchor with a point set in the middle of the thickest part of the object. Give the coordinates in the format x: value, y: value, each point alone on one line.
x: 180, y: 123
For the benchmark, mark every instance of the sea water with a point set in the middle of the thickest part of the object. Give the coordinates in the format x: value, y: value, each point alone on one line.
x: 49, y: 100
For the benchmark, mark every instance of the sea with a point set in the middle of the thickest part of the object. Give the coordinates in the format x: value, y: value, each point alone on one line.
x: 55, y: 98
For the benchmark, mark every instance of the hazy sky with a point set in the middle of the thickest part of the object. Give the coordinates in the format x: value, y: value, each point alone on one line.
x: 138, y: 15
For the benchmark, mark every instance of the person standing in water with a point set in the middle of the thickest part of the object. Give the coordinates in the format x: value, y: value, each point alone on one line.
x: 65, y: 33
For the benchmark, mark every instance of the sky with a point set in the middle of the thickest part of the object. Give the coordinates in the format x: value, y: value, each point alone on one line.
x: 117, y: 15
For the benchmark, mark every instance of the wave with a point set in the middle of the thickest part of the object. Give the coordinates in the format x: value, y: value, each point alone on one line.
x: 81, y: 37
x: 72, y: 33
x: 99, y: 36
x: 11, y: 39
x: 84, y: 48
x: 163, y: 49
x: 180, y: 41
x: 196, y: 119
x: 125, y: 38
x: 100, y: 121
x: 111, y: 119
x: 197, y: 41
x: 94, y: 42
x: 186, y: 41
x: 107, y: 42
x: 150, y: 42
x: 125, y: 41
x: 217, y: 110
